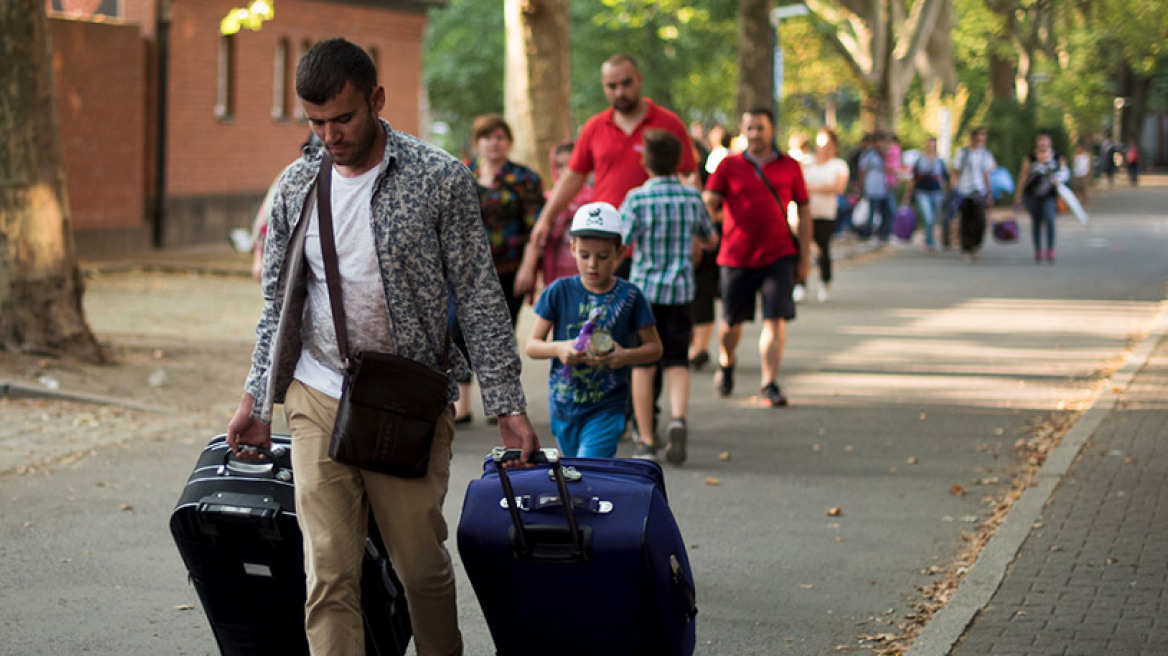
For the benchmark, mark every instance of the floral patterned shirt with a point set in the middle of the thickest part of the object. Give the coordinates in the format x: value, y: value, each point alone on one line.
x: 431, y: 247
x: 510, y: 207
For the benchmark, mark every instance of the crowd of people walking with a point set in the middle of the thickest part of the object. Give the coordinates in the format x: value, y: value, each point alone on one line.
x: 708, y: 216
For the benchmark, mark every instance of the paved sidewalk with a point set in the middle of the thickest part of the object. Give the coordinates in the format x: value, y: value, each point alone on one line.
x: 1092, y: 577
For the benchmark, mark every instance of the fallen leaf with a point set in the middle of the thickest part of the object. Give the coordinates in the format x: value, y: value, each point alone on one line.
x: 922, y: 416
x: 988, y: 480
x: 806, y: 586
x: 724, y: 456
x: 913, y: 461
x: 184, y: 607
x: 710, y: 480
x: 848, y: 449
x: 126, y: 507
x: 957, y: 491
x: 835, y: 512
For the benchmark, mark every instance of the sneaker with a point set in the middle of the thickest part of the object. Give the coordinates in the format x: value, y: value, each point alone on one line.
x: 821, y: 293
x: 700, y: 360
x: 724, y: 381
x: 799, y: 293
x: 774, y: 395
x: 675, y: 448
x: 645, y: 451
x: 1050, y: 255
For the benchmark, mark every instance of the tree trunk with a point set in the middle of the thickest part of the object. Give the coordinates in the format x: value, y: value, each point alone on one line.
x: 40, y: 283
x: 936, y: 62
x: 536, y: 80
x: 1002, y: 66
x: 882, y: 44
x: 1134, y: 88
x: 756, y: 63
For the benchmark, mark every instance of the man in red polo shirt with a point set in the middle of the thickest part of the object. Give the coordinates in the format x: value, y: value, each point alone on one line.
x: 610, y: 146
x: 758, y: 254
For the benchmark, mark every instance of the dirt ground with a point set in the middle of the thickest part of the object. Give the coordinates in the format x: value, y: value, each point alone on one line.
x: 179, y: 347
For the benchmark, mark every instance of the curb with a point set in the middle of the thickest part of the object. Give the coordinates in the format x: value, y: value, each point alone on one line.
x: 985, y: 576
x: 14, y: 390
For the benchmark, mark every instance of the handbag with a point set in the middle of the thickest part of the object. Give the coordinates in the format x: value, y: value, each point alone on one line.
x: 389, y: 405
x: 862, y: 213
x: 1005, y: 231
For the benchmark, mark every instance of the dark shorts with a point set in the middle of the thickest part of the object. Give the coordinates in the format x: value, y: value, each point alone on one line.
x: 675, y: 327
x: 705, y: 289
x: 740, y: 287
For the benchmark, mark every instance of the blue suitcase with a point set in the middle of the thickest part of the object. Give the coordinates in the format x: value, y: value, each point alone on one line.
x: 610, y: 578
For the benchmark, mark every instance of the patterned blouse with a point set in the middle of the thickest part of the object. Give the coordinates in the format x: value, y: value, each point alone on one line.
x: 510, y: 206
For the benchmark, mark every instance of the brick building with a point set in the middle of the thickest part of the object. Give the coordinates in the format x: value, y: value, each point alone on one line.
x: 229, y: 114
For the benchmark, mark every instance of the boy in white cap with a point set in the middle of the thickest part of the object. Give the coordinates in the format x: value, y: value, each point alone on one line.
x: 586, y: 325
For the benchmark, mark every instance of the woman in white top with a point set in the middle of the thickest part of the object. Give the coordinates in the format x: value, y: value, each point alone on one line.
x: 826, y: 176
x: 1081, y: 172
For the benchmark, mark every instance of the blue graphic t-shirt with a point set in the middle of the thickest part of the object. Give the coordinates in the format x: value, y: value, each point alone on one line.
x: 578, y: 391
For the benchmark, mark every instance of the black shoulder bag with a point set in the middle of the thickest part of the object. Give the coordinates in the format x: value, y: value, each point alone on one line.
x: 775, y: 194
x: 389, y: 405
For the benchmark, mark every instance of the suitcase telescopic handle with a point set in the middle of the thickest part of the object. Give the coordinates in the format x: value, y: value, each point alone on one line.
x: 551, y: 457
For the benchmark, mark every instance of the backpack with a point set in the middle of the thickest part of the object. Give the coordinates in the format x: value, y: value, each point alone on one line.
x: 1040, y: 182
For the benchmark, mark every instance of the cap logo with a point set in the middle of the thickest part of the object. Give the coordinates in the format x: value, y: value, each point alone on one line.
x: 594, y: 217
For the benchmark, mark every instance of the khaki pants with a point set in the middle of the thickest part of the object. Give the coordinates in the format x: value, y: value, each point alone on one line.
x: 332, y: 502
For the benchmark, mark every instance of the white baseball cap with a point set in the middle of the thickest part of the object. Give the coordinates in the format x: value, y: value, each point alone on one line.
x: 597, y: 220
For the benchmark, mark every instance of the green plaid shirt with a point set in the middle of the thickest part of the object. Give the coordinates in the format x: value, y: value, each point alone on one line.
x: 662, y: 217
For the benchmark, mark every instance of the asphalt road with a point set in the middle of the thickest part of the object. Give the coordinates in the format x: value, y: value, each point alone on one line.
x: 916, y: 379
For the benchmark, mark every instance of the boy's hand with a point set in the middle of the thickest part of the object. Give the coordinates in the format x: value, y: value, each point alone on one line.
x: 615, y: 359
x: 568, y: 354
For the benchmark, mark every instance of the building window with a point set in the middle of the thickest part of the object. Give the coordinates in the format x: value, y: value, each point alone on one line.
x: 76, y: 9
x: 281, y: 98
x: 375, y: 55
x: 305, y: 46
x: 225, y: 79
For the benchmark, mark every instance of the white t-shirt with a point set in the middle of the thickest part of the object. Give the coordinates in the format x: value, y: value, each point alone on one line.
x: 1082, y: 164
x: 366, y: 313
x: 824, y: 204
x: 972, y: 166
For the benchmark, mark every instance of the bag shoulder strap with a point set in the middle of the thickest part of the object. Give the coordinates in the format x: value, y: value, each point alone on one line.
x: 774, y: 194
x: 328, y: 249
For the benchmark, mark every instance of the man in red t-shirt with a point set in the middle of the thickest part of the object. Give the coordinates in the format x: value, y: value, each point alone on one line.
x: 610, y: 146
x: 758, y: 254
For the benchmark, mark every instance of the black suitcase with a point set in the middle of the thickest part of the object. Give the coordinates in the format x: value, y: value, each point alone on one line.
x: 235, y: 526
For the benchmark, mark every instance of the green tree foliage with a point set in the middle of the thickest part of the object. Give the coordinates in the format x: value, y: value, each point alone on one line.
x: 684, y: 48
x: 463, y: 66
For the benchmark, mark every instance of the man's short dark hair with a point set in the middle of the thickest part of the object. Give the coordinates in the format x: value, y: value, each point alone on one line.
x: 324, y: 70
x: 621, y: 58
x: 662, y: 152
x: 763, y: 111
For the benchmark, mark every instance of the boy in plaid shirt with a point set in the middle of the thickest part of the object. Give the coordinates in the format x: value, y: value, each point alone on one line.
x: 668, y: 222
